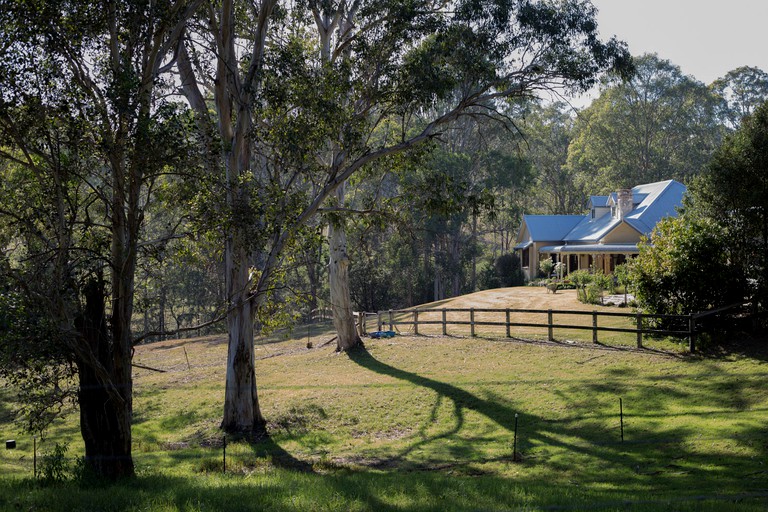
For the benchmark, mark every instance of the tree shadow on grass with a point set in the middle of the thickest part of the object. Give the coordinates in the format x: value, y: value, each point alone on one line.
x: 665, y: 457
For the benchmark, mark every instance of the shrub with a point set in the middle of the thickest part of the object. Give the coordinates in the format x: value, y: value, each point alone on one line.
x: 54, y: 466
x: 686, y: 267
x: 546, y: 266
x: 580, y: 279
x: 503, y: 272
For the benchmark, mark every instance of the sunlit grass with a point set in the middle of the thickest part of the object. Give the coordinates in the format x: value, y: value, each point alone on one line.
x: 427, y: 423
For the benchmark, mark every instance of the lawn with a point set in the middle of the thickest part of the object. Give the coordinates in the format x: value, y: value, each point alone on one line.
x: 428, y: 423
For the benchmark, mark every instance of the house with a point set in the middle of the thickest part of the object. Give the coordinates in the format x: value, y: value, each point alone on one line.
x: 605, y: 237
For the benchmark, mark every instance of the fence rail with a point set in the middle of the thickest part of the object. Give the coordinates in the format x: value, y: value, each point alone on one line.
x: 687, y: 326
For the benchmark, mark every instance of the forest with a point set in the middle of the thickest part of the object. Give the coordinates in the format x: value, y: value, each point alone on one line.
x: 179, y: 168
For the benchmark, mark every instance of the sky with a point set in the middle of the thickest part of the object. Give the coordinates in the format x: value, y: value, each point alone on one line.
x: 706, y: 38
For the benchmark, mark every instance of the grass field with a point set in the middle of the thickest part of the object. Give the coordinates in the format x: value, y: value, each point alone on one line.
x: 427, y: 423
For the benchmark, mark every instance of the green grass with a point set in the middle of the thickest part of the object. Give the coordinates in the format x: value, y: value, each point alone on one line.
x: 427, y: 423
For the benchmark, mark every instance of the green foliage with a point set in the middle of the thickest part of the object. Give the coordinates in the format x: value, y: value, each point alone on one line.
x: 659, y: 125
x: 54, y: 465
x: 742, y: 91
x: 503, y: 272
x: 581, y: 279
x: 35, y: 360
x: 686, y: 267
x: 548, y: 131
x: 733, y: 195
x: 546, y: 266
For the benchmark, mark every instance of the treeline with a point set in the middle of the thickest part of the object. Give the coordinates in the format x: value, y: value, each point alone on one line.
x: 442, y: 222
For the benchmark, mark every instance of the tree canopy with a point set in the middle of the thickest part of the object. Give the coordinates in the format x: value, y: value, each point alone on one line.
x: 658, y: 125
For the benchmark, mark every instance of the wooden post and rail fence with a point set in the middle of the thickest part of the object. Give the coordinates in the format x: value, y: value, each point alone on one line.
x: 685, y: 326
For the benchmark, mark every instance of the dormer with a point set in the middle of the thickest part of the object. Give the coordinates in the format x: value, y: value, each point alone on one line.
x: 598, y: 206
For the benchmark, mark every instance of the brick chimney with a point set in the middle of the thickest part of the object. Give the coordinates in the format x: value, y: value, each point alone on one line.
x: 625, y: 204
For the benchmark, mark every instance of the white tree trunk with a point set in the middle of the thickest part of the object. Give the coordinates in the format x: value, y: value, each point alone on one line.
x: 338, y: 273
x: 241, y: 403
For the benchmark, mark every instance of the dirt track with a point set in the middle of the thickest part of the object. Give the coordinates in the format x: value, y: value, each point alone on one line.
x: 522, y: 297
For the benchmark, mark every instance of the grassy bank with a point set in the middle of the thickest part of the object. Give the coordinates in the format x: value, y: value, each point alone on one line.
x: 427, y: 423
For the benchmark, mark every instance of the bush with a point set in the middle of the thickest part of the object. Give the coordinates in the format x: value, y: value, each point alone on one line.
x: 54, y: 466
x: 503, y: 272
x: 685, y: 268
x: 546, y: 266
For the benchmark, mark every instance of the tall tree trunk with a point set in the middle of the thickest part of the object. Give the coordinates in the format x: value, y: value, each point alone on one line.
x: 241, y: 404
x: 338, y: 271
x: 104, y: 396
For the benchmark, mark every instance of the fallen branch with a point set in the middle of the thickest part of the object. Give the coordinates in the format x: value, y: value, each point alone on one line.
x: 147, y: 368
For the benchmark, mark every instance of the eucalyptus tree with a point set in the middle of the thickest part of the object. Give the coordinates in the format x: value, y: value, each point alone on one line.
x: 742, y: 91
x: 85, y: 138
x: 307, y: 94
x: 658, y: 125
x: 548, y: 131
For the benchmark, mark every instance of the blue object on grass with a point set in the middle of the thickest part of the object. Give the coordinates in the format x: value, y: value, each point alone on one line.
x: 383, y: 334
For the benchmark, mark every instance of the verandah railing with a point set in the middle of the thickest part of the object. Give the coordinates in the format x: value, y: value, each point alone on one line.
x: 684, y: 326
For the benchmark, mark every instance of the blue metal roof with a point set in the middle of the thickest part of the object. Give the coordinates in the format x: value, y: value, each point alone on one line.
x: 550, y: 228
x: 659, y: 200
x: 651, y: 203
x: 591, y: 229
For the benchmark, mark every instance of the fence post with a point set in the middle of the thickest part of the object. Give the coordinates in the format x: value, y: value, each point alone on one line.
x: 415, y: 322
x: 509, y: 334
x: 550, y: 326
x: 445, y: 325
x: 378, y: 321
x: 691, y: 333
x: 472, y: 321
x: 390, y: 321
x: 639, y: 330
x: 594, y: 326
x: 621, y: 417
